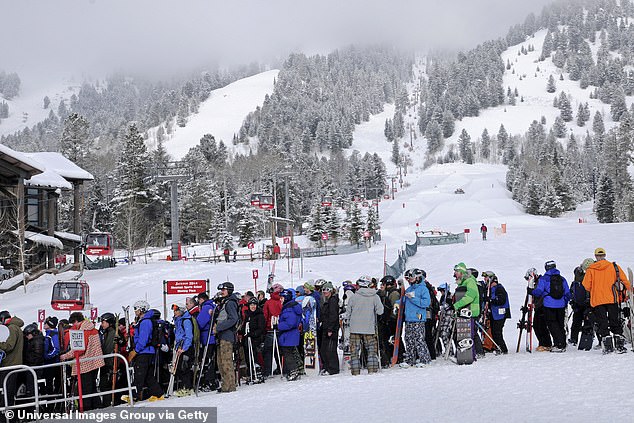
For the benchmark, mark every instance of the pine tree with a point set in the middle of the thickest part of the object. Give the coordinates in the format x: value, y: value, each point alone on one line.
x: 355, y: 225
x: 396, y: 155
x: 466, y: 150
x: 597, y: 123
x: 618, y: 105
x: 317, y: 225
x: 565, y: 108
x: 434, y: 137
x: 76, y: 141
x: 372, y: 222
x: 448, y: 124
x: 47, y: 102
x: 605, y: 200
x: 502, y: 139
x: 486, y: 144
x: 559, y: 127
x: 332, y: 224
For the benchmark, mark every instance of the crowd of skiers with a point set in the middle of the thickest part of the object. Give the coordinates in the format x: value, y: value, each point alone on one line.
x: 214, y: 343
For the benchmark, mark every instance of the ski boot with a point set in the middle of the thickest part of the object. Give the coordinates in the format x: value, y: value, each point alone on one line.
x: 619, y: 344
x: 608, y: 345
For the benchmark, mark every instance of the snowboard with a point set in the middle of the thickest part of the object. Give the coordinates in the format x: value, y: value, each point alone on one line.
x: 443, y: 334
x: 399, y: 327
x: 587, y: 332
x: 311, y: 355
x: 464, y: 337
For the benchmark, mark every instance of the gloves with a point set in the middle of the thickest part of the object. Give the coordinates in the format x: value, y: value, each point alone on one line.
x: 626, y: 312
x: 410, y: 295
x: 165, y: 348
x: 529, y: 290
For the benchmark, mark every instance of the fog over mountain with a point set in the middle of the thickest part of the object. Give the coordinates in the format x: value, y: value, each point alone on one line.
x: 101, y: 35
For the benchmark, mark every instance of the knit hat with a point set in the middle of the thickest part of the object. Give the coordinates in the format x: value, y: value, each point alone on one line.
x: 327, y: 287
x: 461, y: 267
x: 309, y: 287
x: 300, y: 290
x: 586, y: 263
x: 277, y: 288
x: 599, y: 251
x: 51, y: 322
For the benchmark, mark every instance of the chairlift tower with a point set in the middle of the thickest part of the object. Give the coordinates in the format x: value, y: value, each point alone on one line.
x: 173, y: 172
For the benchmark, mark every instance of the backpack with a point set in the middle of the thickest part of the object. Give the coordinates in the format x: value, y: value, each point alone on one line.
x: 579, y: 294
x: 196, y: 336
x: 434, y: 305
x: 556, y: 290
x: 50, y: 351
x: 161, y: 332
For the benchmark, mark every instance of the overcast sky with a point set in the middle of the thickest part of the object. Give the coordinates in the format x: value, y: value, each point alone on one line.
x: 73, y: 35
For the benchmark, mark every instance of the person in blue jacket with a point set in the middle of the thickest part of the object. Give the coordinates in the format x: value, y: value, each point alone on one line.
x: 207, y: 338
x: 500, y: 311
x: 143, y: 356
x: 416, y: 302
x: 554, y: 290
x: 184, y: 344
x: 288, y: 329
x: 53, y: 375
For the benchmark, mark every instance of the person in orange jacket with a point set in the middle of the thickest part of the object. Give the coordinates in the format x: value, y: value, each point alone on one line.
x: 607, y: 291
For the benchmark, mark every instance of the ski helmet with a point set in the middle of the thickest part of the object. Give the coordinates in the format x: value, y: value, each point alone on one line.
x: 530, y: 273
x: 473, y: 272
x: 586, y: 263
x: 5, y: 316
x: 550, y: 264
x: 415, y: 273
x: 108, y: 317
x: 142, y: 306
x: 51, y: 322
x: 388, y: 280
x: 364, y: 281
x: 253, y: 300
x: 488, y: 274
x: 288, y: 295
x: 226, y: 285
x: 30, y: 329
x: 443, y: 287
x: 320, y: 282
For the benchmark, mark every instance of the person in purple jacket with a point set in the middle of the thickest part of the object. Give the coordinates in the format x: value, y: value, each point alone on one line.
x: 288, y: 328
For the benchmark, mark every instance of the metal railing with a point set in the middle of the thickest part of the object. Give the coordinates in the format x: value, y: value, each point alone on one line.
x: 36, y: 400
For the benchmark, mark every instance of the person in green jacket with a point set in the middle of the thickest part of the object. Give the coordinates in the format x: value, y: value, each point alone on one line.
x: 13, y: 348
x: 472, y: 296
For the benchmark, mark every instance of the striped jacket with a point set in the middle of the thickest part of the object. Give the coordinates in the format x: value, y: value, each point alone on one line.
x: 93, y: 349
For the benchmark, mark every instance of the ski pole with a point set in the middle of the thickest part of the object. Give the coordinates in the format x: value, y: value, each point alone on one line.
x: 488, y: 336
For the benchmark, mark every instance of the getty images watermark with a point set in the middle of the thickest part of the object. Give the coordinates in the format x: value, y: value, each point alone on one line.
x: 124, y: 414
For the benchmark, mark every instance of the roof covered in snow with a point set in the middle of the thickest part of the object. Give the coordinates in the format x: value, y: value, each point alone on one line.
x: 20, y: 160
x: 48, y: 179
x: 41, y: 239
x: 68, y: 236
x: 61, y: 165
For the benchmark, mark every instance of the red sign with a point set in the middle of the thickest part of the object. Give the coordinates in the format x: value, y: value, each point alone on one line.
x: 287, y: 240
x: 41, y: 316
x: 324, y: 236
x: 194, y: 286
x: 467, y: 230
x: 394, y: 190
x: 386, y: 196
x: 250, y: 245
x: 255, y: 273
x: 93, y: 314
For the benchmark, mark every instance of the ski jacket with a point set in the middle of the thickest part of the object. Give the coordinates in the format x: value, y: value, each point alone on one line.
x: 599, y: 280
x: 254, y: 321
x: 317, y: 296
x: 54, y: 335
x: 288, y: 325
x: 204, y: 322
x: 308, y: 306
x: 93, y: 349
x: 542, y: 290
x: 273, y: 307
x: 34, y: 350
x: 416, y: 306
x: 14, y: 344
x: 362, y: 309
x: 330, y: 315
x: 143, y: 334
x: 471, y: 297
x: 107, y: 344
x: 500, y: 308
x: 227, y: 319
x: 184, y: 331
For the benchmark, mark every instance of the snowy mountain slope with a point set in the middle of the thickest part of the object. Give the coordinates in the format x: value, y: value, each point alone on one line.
x: 531, y: 84
x: 221, y: 115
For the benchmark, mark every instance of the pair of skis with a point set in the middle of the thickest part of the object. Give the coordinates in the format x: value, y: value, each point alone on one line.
x: 173, y: 366
x: 212, y: 365
x: 526, y: 321
x: 399, y: 326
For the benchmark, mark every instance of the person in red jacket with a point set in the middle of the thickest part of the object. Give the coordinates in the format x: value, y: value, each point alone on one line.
x: 276, y: 251
x: 272, y: 309
x: 483, y: 231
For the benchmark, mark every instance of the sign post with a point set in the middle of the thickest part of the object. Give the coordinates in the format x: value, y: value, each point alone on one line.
x: 41, y: 318
x: 254, y: 273
x: 77, y: 345
x: 183, y: 287
x: 466, y: 233
x: 94, y: 314
x: 250, y: 246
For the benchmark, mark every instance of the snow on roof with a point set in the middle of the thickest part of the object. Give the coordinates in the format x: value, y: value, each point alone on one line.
x: 61, y: 165
x: 68, y: 236
x: 41, y: 239
x: 48, y: 179
x: 21, y: 158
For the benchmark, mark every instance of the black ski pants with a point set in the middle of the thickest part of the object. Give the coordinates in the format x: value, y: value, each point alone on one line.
x: 497, y: 333
x: 430, y: 333
x: 329, y: 355
x: 144, y: 376
x: 208, y: 368
x: 555, y: 318
x: 541, y: 328
x: 578, y: 312
x: 184, y: 370
x: 608, y: 319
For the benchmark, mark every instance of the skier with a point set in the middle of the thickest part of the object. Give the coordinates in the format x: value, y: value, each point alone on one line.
x: 33, y: 353
x: 445, y: 294
x: 540, y: 328
x: 52, y: 375
x: 466, y: 281
x: 226, y: 253
x: 106, y: 336
x: 330, y: 330
x: 208, y: 368
x: 432, y: 317
x: 13, y: 348
x: 500, y: 311
x: 416, y: 302
x: 272, y: 309
x: 387, y: 330
x: 276, y: 251
x: 553, y: 288
x: 579, y: 300
x: 253, y: 329
x: 143, y: 355
x: 483, y: 231
x: 184, y: 349
x: 362, y: 310
x: 607, y: 290
x: 227, y: 317
x: 90, y: 368
x: 288, y: 325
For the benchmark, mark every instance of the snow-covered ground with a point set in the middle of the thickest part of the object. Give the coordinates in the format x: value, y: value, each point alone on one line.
x: 221, y: 115
x: 517, y: 387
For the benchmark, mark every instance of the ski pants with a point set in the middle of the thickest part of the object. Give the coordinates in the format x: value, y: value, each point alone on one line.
x: 541, y: 328
x: 208, y: 368
x: 184, y: 369
x: 144, y: 376
x: 416, y: 345
x: 292, y: 360
x: 105, y: 384
x: 226, y: 366
x: 359, y: 341
x: 89, y: 386
x: 268, y: 354
x: 497, y: 333
x: 577, y: 322
x: 329, y: 355
x: 430, y: 325
x: 555, y: 320
x: 608, y: 319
